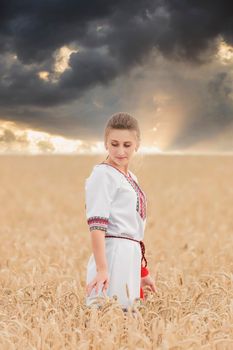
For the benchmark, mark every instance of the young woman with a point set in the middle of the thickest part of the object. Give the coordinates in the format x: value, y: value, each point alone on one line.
x: 116, y: 214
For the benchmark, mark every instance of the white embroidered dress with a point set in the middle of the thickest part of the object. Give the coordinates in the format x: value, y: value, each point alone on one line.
x: 116, y: 204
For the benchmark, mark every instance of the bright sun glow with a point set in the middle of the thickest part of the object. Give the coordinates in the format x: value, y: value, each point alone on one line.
x: 225, y: 53
x: 44, y: 75
x: 24, y: 140
x: 62, y: 59
x: 51, y: 143
x: 61, y: 63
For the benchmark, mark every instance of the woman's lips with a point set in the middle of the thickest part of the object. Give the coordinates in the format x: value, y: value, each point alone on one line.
x: 120, y: 157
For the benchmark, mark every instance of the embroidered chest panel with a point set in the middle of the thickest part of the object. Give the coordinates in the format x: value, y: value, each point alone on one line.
x: 141, y: 206
x: 141, y: 198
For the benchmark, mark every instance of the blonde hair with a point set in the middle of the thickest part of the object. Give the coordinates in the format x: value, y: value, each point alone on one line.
x: 122, y: 120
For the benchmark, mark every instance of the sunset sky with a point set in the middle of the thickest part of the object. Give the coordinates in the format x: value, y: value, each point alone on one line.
x: 67, y: 66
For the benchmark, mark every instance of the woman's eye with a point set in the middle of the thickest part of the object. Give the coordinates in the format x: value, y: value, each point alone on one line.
x: 117, y: 145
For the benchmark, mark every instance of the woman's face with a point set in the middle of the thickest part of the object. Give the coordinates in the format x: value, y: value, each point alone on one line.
x: 121, y: 145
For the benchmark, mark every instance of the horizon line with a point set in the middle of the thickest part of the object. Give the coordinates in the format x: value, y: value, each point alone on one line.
x: 162, y: 153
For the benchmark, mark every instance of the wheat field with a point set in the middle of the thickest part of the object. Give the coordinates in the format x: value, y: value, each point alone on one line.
x: 45, y: 246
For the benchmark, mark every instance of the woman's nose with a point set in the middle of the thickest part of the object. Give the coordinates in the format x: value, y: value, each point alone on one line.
x: 121, y: 154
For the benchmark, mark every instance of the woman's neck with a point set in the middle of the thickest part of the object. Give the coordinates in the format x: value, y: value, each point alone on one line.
x: 125, y: 170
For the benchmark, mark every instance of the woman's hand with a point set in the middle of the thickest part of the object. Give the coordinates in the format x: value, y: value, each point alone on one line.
x: 148, y: 281
x: 101, y: 278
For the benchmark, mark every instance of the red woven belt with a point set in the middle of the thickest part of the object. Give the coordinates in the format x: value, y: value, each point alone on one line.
x: 142, y: 245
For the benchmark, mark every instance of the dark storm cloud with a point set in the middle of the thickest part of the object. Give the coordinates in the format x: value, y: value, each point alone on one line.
x: 130, y: 29
x: 87, y: 68
x: 112, y: 38
x: 34, y: 29
x: 193, y: 24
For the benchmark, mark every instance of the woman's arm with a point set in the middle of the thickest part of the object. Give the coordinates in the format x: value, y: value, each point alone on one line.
x: 98, y: 247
